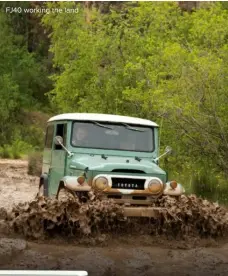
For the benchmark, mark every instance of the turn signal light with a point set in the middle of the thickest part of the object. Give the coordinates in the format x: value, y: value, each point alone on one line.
x: 81, y: 180
x: 173, y: 184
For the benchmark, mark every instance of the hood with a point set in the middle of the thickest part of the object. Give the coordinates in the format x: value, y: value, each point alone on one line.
x: 97, y: 163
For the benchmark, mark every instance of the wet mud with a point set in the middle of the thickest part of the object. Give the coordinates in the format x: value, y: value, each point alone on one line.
x: 190, y: 238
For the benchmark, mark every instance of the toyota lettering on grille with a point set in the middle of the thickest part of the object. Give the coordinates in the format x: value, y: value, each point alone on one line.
x: 127, y: 185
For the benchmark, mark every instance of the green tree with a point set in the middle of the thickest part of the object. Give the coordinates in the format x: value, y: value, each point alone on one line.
x: 19, y: 77
x: 154, y: 61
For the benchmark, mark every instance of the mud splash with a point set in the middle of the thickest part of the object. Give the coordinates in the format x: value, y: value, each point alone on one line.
x: 45, y: 216
x: 191, y: 215
x: 185, y: 216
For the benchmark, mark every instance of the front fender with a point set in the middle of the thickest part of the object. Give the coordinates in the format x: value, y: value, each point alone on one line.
x: 71, y: 183
x: 179, y: 190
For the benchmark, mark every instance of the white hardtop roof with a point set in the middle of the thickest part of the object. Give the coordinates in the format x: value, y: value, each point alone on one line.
x: 102, y: 118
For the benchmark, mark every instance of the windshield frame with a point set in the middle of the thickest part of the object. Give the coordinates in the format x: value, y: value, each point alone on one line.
x: 118, y: 124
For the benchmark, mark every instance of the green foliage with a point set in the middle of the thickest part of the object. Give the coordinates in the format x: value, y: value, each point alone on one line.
x: 21, y: 79
x: 16, y: 150
x: 153, y: 61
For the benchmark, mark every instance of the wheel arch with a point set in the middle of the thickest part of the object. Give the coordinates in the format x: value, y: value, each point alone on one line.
x: 60, y: 187
x: 44, y: 182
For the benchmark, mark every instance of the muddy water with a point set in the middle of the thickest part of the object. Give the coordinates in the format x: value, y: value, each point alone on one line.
x: 117, y: 254
x: 121, y: 259
x: 15, y: 185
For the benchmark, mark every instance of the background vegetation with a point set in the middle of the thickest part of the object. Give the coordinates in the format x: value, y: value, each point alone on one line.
x: 154, y: 60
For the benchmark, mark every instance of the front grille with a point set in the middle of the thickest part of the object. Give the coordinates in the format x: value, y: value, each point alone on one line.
x: 128, y: 183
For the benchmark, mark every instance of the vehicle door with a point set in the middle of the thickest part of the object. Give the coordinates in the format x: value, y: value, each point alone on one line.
x: 58, y: 159
x: 47, y: 149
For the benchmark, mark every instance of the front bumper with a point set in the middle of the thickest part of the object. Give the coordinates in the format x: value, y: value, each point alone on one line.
x: 152, y: 212
x: 125, y: 187
x: 121, y: 196
x: 130, y: 199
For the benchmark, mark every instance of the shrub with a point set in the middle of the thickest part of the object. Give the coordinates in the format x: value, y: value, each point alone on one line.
x: 5, y: 152
x: 16, y: 150
x: 35, y: 163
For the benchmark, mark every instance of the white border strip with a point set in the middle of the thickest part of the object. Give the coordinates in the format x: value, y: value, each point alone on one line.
x: 44, y: 272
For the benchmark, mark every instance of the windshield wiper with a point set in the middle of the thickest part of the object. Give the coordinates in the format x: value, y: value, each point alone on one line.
x: 98, y: 124
x: 132, y: 128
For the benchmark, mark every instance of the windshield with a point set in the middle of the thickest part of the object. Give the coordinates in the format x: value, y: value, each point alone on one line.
x: 112, y: 136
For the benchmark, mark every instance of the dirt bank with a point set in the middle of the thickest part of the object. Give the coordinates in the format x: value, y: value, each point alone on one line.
x: 128, y: 255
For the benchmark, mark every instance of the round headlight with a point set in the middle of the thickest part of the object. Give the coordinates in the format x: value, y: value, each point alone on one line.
x: 155, y: 186
x: 101, y: 183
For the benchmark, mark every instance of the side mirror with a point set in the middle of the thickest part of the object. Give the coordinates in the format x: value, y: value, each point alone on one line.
x: 168, y: 150
x: 58, y: 140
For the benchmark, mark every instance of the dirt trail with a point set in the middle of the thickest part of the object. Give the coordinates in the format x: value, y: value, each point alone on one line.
x: 132, y: 255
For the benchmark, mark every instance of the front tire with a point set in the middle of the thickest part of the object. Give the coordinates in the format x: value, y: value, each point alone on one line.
x: 83, y: 197
x: 40, y: 191
x: 65, y: 195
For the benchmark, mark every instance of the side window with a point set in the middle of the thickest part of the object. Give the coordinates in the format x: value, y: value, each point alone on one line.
x: 49, y: 137
x: 61, y: 130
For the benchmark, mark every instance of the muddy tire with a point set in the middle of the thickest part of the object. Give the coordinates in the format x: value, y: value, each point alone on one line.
x: 83, y: 197
x: 41, y: 190
x: 65, y: 195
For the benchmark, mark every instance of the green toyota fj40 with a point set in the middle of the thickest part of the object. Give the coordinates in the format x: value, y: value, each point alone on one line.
x: 116, y: 155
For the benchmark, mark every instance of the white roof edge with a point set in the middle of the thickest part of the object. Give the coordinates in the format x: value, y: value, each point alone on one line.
x: 102, y: 118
